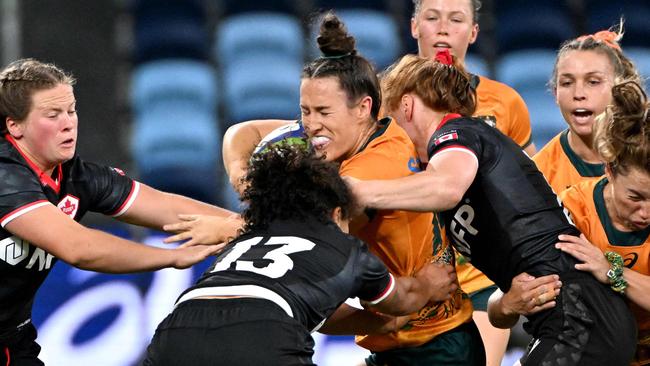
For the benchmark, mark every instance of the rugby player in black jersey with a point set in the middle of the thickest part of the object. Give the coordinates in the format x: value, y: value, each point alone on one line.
x: 499, y: 212
x: 45, y: 189
x: 291, y: 267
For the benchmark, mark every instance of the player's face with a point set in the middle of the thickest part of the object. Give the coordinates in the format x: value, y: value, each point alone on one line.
x: 335, y: 129
x: 630, y: 202
x: 584, y: 88
x: 49, y: 133
x: 444, y: 24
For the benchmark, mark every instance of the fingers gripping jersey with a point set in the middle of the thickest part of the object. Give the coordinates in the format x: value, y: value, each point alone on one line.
x: 312, y: 267
x: 508, y: 220
x: 76, y: 188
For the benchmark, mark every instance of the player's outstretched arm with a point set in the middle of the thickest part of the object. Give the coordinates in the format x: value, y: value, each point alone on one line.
x: 47, y: 228
x: 153, y: 208
x: 240, y: 141
x: 349, y: 320
x: 440, y: 187
x: 433, y: 283
x: 204, y: 230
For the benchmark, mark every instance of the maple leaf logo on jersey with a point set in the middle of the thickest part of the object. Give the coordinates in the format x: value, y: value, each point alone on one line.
x: 446, y: 137
x: 69, y: 205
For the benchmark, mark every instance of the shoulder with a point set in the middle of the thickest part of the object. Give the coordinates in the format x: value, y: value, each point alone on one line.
x: 390, y: 154
x: 550, y: 151
x: 503, y: 91
x: 578, y: 194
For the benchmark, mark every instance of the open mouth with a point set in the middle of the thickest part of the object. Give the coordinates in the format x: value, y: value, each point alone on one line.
x: 442, y: 45
x: 319, y: 142
x: 582, y: 115
x: 68, y: 142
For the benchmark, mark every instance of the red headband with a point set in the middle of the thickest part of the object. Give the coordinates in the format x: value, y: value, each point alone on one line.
x: 444, y: 57
x: 608, y: 37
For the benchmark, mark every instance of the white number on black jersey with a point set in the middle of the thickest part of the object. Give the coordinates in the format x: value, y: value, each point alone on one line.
x: 280, y: 264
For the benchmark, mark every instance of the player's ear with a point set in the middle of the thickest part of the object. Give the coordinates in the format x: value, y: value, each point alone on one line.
x: 337, y: 217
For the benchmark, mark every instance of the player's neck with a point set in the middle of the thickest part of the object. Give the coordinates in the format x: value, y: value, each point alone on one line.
x: 582, y: 146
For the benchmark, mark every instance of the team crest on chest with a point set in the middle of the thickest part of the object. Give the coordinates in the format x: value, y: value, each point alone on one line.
x: 69, y: 205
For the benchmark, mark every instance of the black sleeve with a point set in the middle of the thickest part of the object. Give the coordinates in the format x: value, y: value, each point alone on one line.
x: 20, y: 187
x: 453, y: 135
x: 374, y: 277
x: 109, y: 189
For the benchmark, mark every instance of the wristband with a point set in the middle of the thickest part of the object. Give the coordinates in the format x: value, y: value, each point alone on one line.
x: 615, y: 272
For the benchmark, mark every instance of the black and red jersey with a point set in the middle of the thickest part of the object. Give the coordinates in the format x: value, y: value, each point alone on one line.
x: 75, y: 187
x: 509, y: 219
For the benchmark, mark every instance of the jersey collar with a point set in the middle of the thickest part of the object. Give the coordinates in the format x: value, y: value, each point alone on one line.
x: 45, y: 179
x: 584, y: 169
x: 448, y: 117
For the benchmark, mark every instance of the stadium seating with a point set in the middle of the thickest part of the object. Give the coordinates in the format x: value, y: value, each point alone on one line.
x: 545, y: 118
x: 476, y: 65
x: 605, y: 14
x: 174, y: 81
x: 528, y: 72
x: 641, y: 58
x: 262, y: 87
x: 231, y: 8
x: 537, y: 24
x: 170, y: 28
x: 268, y: 34
x: 526, y: 68
x: 175, y: 140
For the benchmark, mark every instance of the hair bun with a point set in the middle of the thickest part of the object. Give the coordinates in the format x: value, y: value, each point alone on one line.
x: 333, y: 39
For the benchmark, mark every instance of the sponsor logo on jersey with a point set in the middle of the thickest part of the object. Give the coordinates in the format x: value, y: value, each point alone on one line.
x: 69, y: 205
x: 629, y: 260
x: 14, y: 250
x: 446, y: 137
x: 414, y: 164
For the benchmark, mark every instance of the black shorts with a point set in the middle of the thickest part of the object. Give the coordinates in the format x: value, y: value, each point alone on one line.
x: 20, y: 348
x: 239, y: 331
x: 590, y: 325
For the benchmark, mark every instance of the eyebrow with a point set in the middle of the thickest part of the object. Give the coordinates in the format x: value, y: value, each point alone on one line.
x: 591, y: 73
x: 635, y: 192
x: 317, y: 108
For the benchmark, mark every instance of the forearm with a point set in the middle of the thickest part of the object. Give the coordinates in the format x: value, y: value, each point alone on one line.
x: 408, y: 297
x: 153, y: 208
x: 97, y: 251
x: 498, y: 313
x: 638, y: 287
x: 348, y: 320
x: 419, y: 192
x: 238, y: 145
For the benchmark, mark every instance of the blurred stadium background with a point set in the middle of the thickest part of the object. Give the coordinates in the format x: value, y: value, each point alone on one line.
x: 159, y: 82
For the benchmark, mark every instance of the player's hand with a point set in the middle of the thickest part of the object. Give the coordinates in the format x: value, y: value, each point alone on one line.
x: 203, y: 229
x: 188, y: 256
x: 529, y: 295
x: 592, y: 258
x: 440, y: 279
